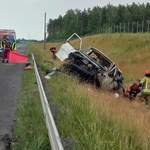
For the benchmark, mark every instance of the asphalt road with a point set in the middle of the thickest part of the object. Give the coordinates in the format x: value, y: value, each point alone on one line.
x: 10, y: 86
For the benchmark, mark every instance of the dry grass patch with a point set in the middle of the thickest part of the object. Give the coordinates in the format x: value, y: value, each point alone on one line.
x: 133, y: 114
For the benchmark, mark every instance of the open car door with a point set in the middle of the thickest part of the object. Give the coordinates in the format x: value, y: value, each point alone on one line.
x: 67, y: 48
x: 64, y: 51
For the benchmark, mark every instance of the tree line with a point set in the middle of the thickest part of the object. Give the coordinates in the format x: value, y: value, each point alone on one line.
x: 129, y: 18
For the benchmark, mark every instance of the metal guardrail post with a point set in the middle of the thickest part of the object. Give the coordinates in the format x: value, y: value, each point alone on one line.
x: 52, y: 130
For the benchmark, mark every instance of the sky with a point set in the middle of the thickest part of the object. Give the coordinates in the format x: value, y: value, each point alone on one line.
x: 26, y: 17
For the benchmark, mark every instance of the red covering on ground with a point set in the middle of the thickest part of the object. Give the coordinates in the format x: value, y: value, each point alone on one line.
x: 15, y: 57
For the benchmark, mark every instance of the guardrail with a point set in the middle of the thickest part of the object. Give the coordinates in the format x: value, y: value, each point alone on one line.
x: 52, y: 130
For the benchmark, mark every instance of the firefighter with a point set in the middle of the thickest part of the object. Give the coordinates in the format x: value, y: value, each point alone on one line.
x: 133, y: 90
x: 13, y: 46
x: 145, y: 91
x: 53, y: 51
x: 2, y: 45
x: 7, y: 49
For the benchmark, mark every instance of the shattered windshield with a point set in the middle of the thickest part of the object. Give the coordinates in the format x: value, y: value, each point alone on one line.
x: 100, y: 59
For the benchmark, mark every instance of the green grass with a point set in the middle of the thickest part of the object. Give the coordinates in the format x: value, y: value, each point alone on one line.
x: 30, y: 131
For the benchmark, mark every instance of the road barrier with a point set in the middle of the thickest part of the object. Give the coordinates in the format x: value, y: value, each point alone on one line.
x: 52, y: 130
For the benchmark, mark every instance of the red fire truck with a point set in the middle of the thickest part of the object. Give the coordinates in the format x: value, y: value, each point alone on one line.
x: 6, y: 33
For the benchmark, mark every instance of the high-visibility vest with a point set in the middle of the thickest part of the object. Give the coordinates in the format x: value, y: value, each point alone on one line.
x: 3, y: 43
x: 146, y: 85
x: 13, y: 45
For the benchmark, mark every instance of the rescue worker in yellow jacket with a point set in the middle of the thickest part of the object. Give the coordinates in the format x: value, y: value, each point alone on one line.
x: 13, y: 46
x: 145, y: 91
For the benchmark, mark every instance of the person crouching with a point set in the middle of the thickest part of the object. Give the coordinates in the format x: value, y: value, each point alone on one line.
x: 133, y: 90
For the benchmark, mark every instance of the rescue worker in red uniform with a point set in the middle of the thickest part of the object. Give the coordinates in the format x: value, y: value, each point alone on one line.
x: 53, y: 51
x: 133, y: 90
x: 7, y: 49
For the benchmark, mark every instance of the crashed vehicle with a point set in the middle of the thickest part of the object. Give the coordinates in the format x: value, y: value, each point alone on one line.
x: 91, y: 65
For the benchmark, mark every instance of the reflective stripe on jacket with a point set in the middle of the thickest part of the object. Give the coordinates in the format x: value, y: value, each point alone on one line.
x: 146, y: 85
x: 13, y: 45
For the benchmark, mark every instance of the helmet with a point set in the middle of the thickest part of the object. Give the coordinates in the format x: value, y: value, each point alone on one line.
x: 147, y: 72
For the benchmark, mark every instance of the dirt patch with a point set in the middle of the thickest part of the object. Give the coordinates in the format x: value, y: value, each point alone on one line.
x: 5, y: 142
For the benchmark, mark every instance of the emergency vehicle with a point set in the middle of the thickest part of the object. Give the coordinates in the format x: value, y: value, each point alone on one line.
x: 6, y: 33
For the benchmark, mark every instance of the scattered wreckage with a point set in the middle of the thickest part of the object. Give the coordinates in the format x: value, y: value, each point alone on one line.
x: 91, y: 65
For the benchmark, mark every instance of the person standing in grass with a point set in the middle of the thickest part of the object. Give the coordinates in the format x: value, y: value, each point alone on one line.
x: 53, y: 51
x: 145, y: 91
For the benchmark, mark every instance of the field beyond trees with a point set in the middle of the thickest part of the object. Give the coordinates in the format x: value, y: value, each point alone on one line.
x: 90, y: 118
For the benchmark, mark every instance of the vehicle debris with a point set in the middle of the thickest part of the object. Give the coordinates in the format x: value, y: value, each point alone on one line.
x: 91, y: 65
x: 50, y: 73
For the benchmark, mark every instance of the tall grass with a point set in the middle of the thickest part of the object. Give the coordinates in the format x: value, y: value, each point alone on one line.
x: 85, y: 117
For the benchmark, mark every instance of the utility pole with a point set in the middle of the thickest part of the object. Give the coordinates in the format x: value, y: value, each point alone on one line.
x: 148, y: 26
x: 44, y: 30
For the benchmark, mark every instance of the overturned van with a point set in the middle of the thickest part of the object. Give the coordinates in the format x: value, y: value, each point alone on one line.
x: 91, y: 65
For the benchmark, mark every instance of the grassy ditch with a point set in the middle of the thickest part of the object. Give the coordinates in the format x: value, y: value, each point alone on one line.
x: 30, y: 130
x: 91, y: 118
x: 89, y: 124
